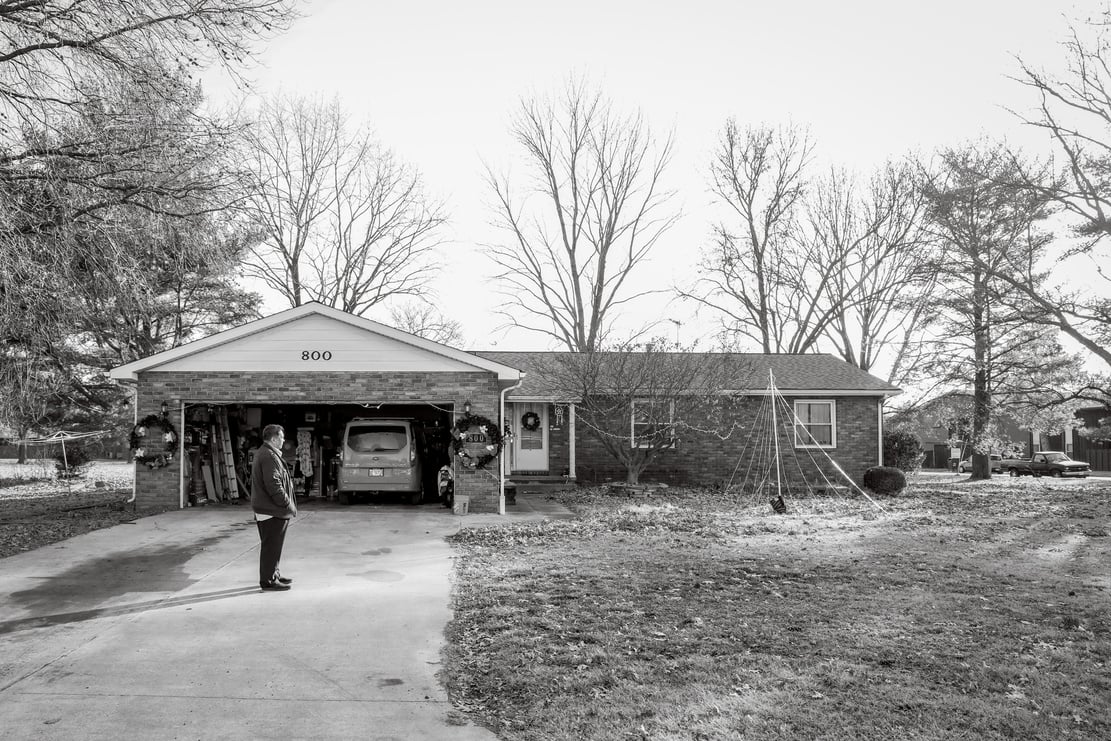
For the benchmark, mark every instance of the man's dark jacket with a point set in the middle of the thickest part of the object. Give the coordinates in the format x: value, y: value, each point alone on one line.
x: 271, y: 485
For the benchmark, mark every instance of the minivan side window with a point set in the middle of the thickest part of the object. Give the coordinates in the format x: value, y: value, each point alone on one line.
x: 376, y: 438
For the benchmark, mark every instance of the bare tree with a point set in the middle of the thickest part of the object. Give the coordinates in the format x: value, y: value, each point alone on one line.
x: 1074, y: 110
x: 753, y: 273
x: 427, y: 322
x: 591, y: 217
x: 342, y: 220
x: 637, y: 399
x: 808, y: 263
x: 878, y: 302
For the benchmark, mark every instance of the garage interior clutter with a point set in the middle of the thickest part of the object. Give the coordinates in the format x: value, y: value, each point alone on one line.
x: 220, y: 441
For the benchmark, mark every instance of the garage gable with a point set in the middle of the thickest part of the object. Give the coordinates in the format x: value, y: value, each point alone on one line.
x: 313, y: 337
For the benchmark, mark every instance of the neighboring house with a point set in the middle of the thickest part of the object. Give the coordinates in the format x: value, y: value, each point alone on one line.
x: 947, y: 418
x: 843, y: 404
x: 1097, y: 453
x: 313, y: 368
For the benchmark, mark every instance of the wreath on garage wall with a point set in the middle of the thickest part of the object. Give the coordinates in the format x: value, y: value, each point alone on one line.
x: 530, y: 421
x: 466, y: 444
x: 153, y: 458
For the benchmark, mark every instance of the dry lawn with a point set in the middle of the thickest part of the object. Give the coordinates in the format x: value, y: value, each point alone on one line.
x: 37, y: 509
x: 960, y: 611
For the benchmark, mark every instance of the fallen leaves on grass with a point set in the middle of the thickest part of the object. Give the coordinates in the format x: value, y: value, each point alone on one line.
x: 37, y: 509
x: 956, y: 612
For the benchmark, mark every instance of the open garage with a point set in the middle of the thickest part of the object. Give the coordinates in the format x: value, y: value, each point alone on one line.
x: 325, y: 376
x: 319, y: 437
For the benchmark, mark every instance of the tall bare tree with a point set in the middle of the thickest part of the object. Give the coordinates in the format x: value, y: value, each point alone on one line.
x: 343, y: 221
x: 752, y: 274
x: 588, y: 221
x: 1074, y: 111
x: 878, y: 301
x: 804, y: 263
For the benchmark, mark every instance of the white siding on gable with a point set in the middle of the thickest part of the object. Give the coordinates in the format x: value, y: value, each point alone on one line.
x: 315, y: 343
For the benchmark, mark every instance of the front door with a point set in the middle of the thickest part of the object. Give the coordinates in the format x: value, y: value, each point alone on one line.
x: 530, y: 446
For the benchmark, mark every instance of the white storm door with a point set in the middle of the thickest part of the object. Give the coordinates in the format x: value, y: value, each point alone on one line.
x: 530, y: 447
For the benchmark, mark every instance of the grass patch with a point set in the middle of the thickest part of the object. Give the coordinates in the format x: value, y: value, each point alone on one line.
x: 36, y: 509
x: 960, y: 611
x: 6, y: 483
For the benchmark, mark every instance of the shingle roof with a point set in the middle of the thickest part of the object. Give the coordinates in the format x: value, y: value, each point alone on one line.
x: 792, y: 372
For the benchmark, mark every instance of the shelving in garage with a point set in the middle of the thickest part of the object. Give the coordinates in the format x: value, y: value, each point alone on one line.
x: 314, y: 433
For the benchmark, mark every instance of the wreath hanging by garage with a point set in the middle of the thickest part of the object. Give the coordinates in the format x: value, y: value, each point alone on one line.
x: 530, y: 421
x: 154, y: 458
x: 476, y: 440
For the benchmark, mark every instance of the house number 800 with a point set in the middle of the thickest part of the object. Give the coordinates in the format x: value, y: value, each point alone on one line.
x: 316, y: 355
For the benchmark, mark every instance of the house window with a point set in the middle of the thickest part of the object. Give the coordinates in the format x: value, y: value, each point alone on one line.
x: 815, y: 424
x: 653, y: 423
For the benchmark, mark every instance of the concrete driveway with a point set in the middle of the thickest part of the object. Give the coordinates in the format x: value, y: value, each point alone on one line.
x: 157, y: 629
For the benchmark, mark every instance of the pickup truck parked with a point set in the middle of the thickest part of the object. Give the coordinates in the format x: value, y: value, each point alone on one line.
x: 1046, y: 463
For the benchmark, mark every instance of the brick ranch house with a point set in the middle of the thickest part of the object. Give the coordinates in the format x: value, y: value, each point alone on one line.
x: 842, y: 406
x: 313, y: 368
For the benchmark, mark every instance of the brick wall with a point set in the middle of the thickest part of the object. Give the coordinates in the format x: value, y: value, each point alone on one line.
x: 703, y: 459
x: 158, y: 489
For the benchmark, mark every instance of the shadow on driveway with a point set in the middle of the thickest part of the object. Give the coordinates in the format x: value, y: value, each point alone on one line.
x: 60, y: 618
x: 94, y: 580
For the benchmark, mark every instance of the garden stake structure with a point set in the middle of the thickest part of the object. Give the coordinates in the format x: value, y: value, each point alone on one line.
x: 766, y: 459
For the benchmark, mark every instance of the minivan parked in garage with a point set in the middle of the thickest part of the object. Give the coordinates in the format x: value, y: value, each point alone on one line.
x: 380, y: 456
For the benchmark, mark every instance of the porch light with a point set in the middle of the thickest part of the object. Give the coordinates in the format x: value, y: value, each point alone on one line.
x: 165, y: 408
x: 467, y: 407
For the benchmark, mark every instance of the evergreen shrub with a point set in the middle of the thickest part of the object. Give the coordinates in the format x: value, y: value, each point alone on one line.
x: 902, y: 450
x: 886, y: 480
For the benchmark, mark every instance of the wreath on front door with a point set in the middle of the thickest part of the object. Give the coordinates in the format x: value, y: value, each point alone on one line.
x: 153, y: 458
x: 466, y: 447
x: 530, y: 421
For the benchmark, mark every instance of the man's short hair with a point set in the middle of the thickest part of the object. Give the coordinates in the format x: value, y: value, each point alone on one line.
x: 270, y: 432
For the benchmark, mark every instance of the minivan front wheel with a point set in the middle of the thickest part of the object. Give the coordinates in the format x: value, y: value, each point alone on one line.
x: 345, y: 498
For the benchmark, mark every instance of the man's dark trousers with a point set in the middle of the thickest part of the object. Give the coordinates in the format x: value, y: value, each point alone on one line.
x: 272, y: 534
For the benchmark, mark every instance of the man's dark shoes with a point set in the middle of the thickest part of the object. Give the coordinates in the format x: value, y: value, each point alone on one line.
x: 273, y: 586
x: 284, y: 580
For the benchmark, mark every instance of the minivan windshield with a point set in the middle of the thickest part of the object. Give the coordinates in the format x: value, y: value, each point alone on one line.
x: 372, y: 438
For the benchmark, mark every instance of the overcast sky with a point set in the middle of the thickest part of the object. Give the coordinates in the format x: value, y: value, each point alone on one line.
x: 872, y: 79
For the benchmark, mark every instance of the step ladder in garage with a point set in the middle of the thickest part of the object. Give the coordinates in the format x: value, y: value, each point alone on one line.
x: 225, y: 463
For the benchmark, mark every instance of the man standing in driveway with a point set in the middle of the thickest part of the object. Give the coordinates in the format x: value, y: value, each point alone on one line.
x: 274, y: 504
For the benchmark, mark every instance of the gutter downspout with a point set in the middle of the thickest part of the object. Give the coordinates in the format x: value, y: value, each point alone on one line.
x: 134, y: 421
x: 181, y: 455
x: 879, y: 408
x: 501, y: 463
